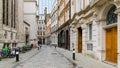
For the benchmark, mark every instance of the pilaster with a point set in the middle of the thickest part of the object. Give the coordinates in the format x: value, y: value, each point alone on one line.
x: 1, y: 19
x: 118, y: 12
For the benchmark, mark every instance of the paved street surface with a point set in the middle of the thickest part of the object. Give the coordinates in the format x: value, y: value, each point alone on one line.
x: 83, y: 61
x: 48, y: 57
x: 51, y: 57
x: 10, y: 62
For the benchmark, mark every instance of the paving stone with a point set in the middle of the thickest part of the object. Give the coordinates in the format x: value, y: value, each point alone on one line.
x: 84, y: 61
x: 47, y: 58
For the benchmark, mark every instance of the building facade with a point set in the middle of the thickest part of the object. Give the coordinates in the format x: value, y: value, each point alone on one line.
x: 9, y: 23
x: 48, y: 31
x: 41, y: 29
x: 76, y: 7
x: 63, y: 23
x: 54, y: 24
x: 26, y: 32
x: 30, y: 16
x: 95, y: 30
x: 21, y: 25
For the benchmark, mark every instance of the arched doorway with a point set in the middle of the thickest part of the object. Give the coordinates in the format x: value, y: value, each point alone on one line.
x: 111, y: 36
x: 62, y: 39
x: 79, y: 40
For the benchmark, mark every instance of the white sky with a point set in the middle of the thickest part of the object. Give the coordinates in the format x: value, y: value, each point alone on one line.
x: 45, y: 3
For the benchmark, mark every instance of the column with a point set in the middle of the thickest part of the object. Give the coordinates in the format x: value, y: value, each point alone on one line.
x: 118, y: 40
x: 118, y: 12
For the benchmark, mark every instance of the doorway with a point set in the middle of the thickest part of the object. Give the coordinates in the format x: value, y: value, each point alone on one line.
x: 111, y: 44
x: 79, y: 40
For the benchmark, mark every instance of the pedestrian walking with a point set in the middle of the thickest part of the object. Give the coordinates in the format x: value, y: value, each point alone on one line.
x: 40, y: 45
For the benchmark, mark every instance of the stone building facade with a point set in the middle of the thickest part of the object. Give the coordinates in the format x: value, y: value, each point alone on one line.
x: 26, y: 32
x: 63, y: 23
x: 41, y: 29
x: 14, y: 29
x: 54, y: 24
x: 9, y: 23
x: 96, y: 31
x: 30, y: 16
x: 12, y: 26
x: 48, y: 31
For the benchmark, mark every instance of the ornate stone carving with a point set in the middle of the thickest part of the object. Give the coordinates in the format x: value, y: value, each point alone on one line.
x: 84, y: 26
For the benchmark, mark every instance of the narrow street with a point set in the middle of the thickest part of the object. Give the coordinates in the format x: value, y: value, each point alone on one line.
x: 72, y: 33
x: 48, y: 57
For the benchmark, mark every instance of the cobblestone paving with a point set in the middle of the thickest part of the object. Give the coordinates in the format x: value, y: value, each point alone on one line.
x: 48, y: 57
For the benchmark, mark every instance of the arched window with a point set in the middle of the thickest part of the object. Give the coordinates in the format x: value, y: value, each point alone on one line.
x: 111, y: 16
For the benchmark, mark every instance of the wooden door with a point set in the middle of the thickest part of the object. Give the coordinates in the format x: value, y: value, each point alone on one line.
x: 111, y: 45
x: 80, y: 40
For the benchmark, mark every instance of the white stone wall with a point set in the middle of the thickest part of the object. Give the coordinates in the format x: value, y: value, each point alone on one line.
x: 30, y: 10
x: 84, y: 38
x: 30, y: 7
x: 97, y: 47
x: 98, y: 20
x: 21, y: 39
x: 54, y: 23
x: 1, y: 31
x: 73, y: 39
x: 1, y: 13
x: 118, y: 40
x: 54, y: 39
x: 32, y: 21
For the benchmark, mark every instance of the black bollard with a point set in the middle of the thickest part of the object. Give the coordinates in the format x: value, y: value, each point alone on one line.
x: 17, y: 55
x: 73, y: 54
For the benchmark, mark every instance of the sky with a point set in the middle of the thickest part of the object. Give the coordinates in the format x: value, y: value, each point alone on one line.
x: 45, y: 3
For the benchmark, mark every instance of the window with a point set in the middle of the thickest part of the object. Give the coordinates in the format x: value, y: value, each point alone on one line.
x: 40, y: 28
x: 13, y: 14
x: 37, y: 32
x: 43, y: 22
x: 90, y: 46
x: 5, y: 12
x: 111, y: 16
x: 88, y: 2
x: 41, y: 33
x: 79, y: 5
x: 90, y: 31
x: 43, y: 28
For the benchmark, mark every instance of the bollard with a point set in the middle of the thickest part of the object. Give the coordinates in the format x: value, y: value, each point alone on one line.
x: 73, y: 54
x: 17, y: 55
